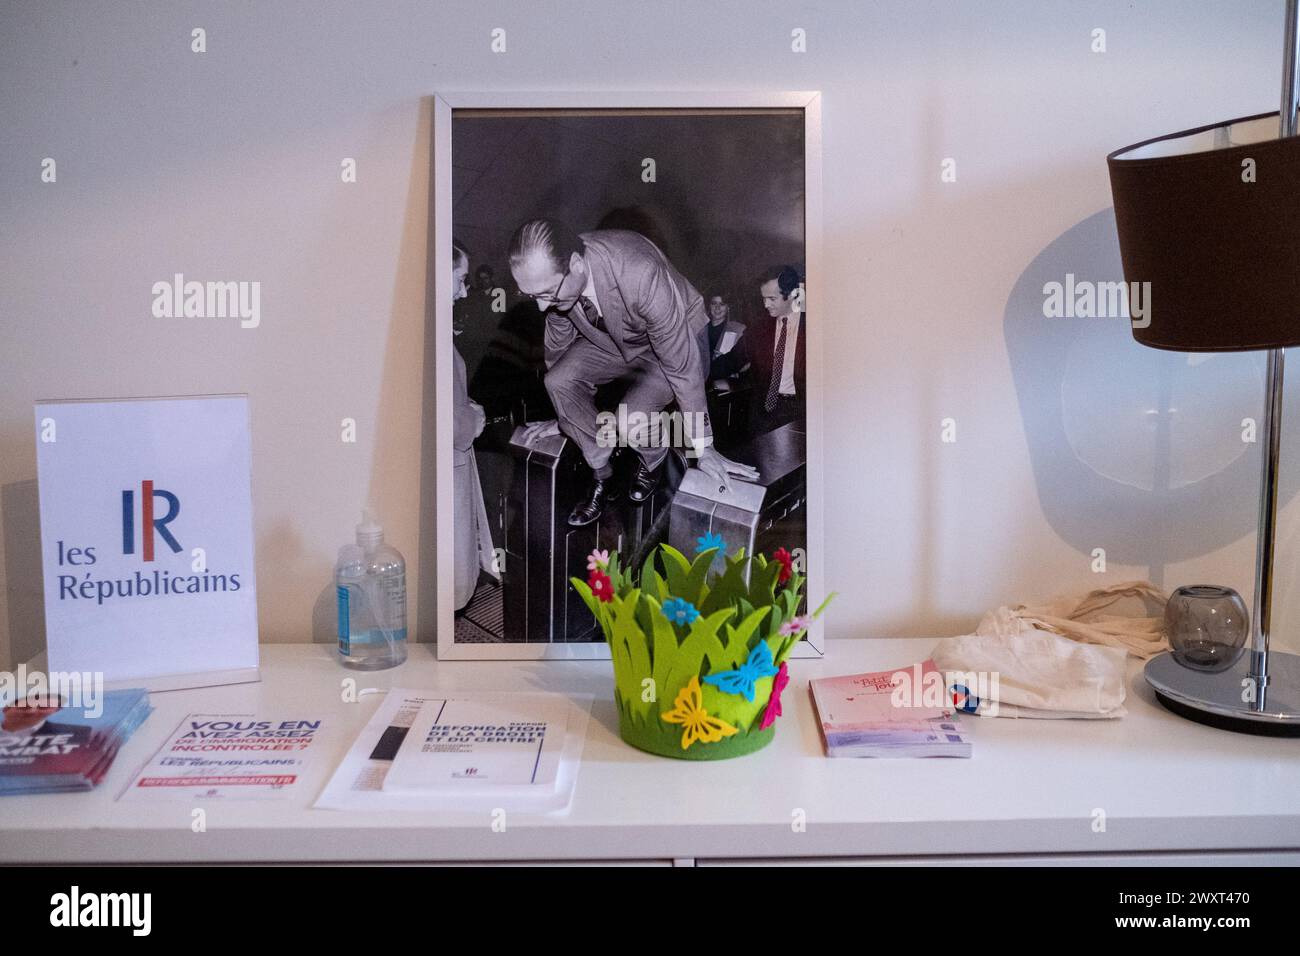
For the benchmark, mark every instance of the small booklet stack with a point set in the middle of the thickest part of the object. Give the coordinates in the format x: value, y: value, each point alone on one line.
x: 900, y: 713
x: 47, y: 749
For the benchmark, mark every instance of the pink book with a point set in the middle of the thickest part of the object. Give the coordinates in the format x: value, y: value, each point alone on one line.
x: 855, y: 701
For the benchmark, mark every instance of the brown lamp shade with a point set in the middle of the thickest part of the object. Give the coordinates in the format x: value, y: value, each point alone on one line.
x: 1217, y: 237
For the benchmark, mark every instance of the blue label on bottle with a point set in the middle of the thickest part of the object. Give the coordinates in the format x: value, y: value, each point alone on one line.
x: 345, y: 634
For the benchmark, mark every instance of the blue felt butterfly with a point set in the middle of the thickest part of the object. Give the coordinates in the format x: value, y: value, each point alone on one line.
x: 741, y: 681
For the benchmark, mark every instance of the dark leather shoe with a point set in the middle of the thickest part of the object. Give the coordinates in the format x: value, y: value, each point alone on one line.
x: 590, y: 508
x: 644, y: 481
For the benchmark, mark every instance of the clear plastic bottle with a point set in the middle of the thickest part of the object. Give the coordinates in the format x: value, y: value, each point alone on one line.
x: 370, y: 580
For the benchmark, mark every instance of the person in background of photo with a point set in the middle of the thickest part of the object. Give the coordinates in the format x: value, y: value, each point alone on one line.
x: 616, y: 309
x: 475, y: 322
x: 473, y: 548
x: 778, y: 352
x: 726, y: 341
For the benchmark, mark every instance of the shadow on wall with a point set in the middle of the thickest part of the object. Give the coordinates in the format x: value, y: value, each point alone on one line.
x: 20, y: 516
x: 1142, y: 452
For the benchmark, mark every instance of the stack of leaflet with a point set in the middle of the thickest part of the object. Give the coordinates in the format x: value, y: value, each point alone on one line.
x: 464, y: 751
x: 49, y: 749
x: 901, y: 713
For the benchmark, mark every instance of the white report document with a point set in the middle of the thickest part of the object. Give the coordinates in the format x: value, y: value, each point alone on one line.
x: 489, y: 742
x: 361, y: 780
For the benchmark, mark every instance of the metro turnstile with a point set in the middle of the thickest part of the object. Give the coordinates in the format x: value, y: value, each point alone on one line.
x: 543, y: 552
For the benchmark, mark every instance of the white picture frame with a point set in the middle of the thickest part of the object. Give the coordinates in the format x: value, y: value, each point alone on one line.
x: 445, y: 104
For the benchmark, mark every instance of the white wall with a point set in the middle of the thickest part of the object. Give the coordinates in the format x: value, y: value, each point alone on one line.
x: 225, y: 165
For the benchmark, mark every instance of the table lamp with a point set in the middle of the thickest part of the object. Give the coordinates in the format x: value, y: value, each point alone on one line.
x: 1209, y: 224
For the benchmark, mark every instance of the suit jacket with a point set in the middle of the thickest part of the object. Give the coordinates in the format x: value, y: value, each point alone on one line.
x: 650, y: 311
x: 762, y: 347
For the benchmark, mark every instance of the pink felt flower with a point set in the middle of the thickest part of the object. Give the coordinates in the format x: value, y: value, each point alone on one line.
x: 597, y: 560
x: 796, y: 625
x: 786, y: 561
x: 601, y: 586
x: 773, y: 710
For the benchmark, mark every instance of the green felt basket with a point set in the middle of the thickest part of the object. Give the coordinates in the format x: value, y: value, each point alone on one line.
x: 665, y: 741
x: 697, y: 654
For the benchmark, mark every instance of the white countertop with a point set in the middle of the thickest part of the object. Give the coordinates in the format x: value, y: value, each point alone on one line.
x: 1032, y: 786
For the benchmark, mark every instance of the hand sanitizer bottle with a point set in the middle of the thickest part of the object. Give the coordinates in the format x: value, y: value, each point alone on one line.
x: 370, y: 579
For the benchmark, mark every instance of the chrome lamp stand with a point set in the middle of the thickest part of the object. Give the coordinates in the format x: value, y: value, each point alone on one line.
x: 1260, y: 693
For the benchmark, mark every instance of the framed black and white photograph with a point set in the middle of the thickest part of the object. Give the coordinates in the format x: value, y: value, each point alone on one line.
x: 626, y: 348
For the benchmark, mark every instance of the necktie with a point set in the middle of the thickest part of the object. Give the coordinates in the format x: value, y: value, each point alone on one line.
x: 778, y: 368
x: 592, y: 315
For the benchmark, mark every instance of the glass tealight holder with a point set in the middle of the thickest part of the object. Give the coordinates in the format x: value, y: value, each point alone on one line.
x: 1207, y: 626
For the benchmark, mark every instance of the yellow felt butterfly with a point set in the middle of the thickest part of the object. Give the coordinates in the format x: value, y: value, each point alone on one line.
x: 688, y: 710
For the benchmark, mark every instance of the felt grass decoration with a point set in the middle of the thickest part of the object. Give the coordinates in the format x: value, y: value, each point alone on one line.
x: 696, y: 655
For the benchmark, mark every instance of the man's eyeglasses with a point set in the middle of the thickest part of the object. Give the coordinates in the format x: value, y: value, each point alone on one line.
x: 548, y: 297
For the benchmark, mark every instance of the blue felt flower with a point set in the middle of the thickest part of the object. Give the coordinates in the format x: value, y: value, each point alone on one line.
x: 679, y: 611
x: 709, y: 540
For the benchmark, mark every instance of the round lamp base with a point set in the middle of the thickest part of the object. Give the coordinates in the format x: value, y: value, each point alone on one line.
x: 1216, y: 698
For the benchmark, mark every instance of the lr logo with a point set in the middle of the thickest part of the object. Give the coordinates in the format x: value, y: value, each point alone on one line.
x: 149, y: 522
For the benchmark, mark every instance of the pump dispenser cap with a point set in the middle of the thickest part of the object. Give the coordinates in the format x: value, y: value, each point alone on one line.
x: 369, y: 534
